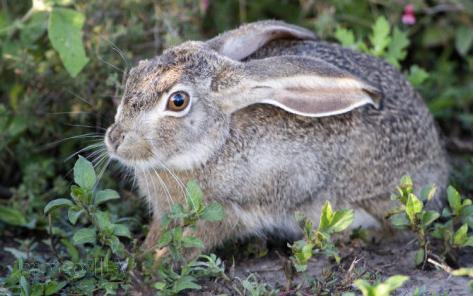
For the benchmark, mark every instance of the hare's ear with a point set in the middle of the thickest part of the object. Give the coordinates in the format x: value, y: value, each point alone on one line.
x: 239, y: 43
x: 299, y: 85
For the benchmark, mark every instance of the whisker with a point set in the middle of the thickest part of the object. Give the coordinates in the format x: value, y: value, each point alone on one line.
x: 80, y: 98
x: 111, y: 65
x: 89, y: 147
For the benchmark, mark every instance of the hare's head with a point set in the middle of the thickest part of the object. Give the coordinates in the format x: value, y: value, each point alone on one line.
x: 176, y: 108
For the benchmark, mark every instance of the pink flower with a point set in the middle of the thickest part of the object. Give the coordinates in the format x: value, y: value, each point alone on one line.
x: 408, y: 17
x: 204, y: 5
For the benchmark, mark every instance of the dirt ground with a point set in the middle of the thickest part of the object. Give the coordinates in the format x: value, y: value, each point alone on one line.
x: 372, y: 261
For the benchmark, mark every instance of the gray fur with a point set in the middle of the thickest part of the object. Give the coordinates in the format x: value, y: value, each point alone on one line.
x: 263, y: 163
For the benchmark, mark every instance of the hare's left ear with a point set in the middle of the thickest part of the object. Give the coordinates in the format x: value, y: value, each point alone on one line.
x: 240, y: 43
x: 300, y: 85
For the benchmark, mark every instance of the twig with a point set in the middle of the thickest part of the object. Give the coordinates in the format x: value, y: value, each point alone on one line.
x: 444, y: 267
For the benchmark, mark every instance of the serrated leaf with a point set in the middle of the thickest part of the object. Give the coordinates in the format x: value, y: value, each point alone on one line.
x: 74, y: 213
x: 56, y: 203
x: 417, y: 75
x: 185, y: 282
x: 454, y: 200
x: 345, y: 36
x: 121, y: 230
x: 397, y: 48
x: 413, y: 207
x: 192, y: 242
x: 159, y: 286
x: 84, y: 174
x: 460, y: 236
x: 380, y: 36
x: 213, y: 212
x: 64, y: 32
x: 84, y: 235
x: 165, y: 239
x: 105, y: 195
x: 12, y: 216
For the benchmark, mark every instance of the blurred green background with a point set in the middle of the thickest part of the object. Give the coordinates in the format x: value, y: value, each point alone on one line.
x: 44, y: 110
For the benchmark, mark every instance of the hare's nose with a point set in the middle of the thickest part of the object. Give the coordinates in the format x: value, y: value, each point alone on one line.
x: 115, y: 136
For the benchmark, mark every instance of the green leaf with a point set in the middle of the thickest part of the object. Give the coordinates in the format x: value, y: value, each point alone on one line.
x: 79, y: 195
x: 468, y: 242
x: 341, y: 220
x: 428, y: 192
x: 84, y: 174
x: 12, y: 216
x: 380, y: 36
x: 454, y: 200
x: 213, y: 212
x: 459, y: 238
x: 117, y: 247
x: 463, y: 40
x: 103, y: 221
x: 397, y: 48
x: 159, y: 286
x: 185, y: 282
x: 395, y: 282
x: 53, y: 287
x: 84, y: 235
x: 413, y: 207
x: 364, y: 286
x: 71, y: 250
x: 428, y: 217
x: 121, y: 230
x: 417, y: 75
x: 105, y: 195
x: 165, y: 239
x: 60, y: 202
x: 192, y: 242
x: 326, y: 217
x: 194, y: 195
x: 64, y: 32
x: 419, y: 257
x: 74, y: 213
x: 345, y: 37
x: 399, y: 220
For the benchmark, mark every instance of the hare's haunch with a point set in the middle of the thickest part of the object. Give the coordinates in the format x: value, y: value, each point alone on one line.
x: 270, y: 120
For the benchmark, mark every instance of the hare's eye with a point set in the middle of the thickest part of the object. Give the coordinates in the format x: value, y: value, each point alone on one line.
x: 178, y: 101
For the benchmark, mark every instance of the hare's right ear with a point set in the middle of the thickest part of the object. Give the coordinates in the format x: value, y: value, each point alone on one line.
x: 240, y: 43
x: 300, y: 85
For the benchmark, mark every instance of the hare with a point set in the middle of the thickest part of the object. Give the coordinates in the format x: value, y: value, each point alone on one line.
x: 270, y: 120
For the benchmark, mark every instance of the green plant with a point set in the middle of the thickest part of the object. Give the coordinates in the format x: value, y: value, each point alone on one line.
x: 380, y: 289
x: 253, y: 287
x: 172, y: 280
x: 90, y: 256
x: 412, y: 215
x: 319, y: 240
x: 85, y: 201
x: 465, y: 272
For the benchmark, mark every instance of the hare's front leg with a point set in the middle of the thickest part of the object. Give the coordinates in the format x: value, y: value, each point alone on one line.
x: 153, y: 234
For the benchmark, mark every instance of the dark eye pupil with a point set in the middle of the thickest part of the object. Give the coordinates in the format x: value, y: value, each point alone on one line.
x: 178, y: 100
